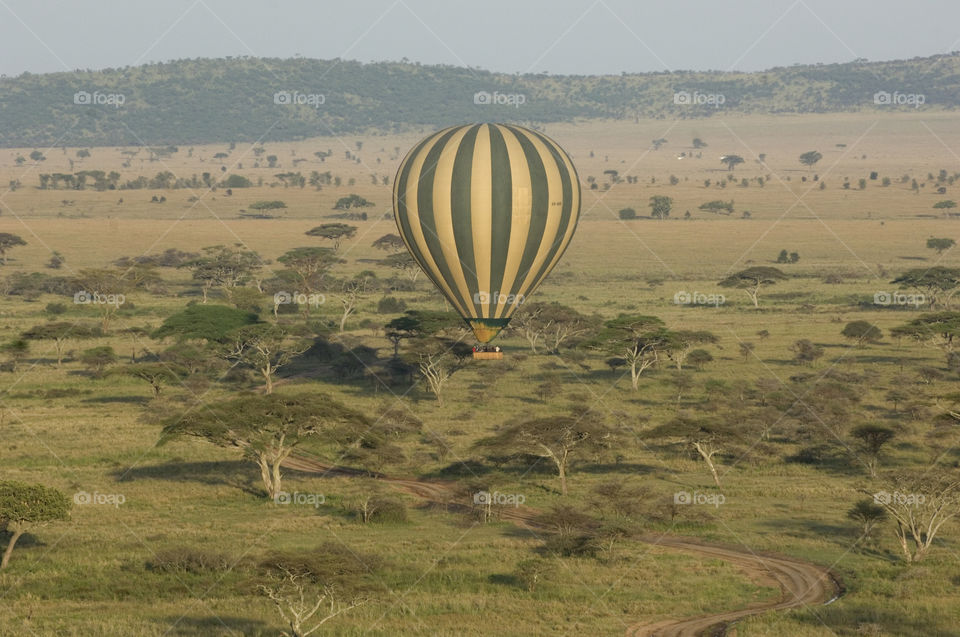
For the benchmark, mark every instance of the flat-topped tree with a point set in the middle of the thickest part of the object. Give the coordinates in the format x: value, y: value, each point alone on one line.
x: 310, y: 265
x: 862, y: 332
x: 683, y: 342
x: 938, y: 329
x: 8, y: 241
x: 267, y: 428
x: 210, y: 323
x: 937, y: 284
x: 157, y: 375
x: 25, y: 505
x: 731, y: 161
x: 224, y: 267
x: 61, y: 333
x: 390, y: 243
x: 752, y: 280
x: 705, y: 435
x: 556, y: 438
x: 335, y: 232
x: 810, y: 158
x: 264, y: 347
x: 639, y: 340
x: 552, y: 324
x: 940, y: 244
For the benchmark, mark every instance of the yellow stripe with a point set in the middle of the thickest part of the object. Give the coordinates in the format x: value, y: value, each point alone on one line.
x: 521, y: 213
x: 413, y: 217
x: 481, y: 212
x: 574, y: 212
x: 443, y: 215
x: 554, y: 213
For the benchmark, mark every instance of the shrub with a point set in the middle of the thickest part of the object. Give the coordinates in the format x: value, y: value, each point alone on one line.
x: 187, y: 559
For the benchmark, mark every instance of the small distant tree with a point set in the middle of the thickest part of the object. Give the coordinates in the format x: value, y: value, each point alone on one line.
x: 23, y: 506
x: 97, y: 359
x: 940, y: 244
x: 862, y: 332
x: 8, y: 241
x: 389, y: 243
x: 310, y: 265
x: 210, y: 323
x: 660, y: 206
x: 699, y: 143
x: 157, y: 375
x: 61, y: 333
x: 870, y: 440
x: 810, y: 158
x: 806, y: 351
x: 868, y: 514
x: 639, y: 340
x: 627, y: 214
x: 16, y: 351
x: 946, y: 204
x: 752, y: 280
x: 730, y: 161
x: 335, y: 232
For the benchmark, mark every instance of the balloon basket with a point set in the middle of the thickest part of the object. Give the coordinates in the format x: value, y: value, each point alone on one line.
x: 488, y: 356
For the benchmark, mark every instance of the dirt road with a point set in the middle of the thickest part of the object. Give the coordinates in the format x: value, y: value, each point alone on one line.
x: 801, y: 583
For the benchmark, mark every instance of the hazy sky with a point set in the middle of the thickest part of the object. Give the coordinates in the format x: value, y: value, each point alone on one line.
x: 558, y: 36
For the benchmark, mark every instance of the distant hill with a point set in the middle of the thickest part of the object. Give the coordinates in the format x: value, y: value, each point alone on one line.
x: 249, y: 99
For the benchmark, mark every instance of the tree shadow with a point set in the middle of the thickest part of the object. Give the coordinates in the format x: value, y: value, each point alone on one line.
x: 613, y: 467
x: 133, y: 400
x: 220, y: 625
x: 232, y: 473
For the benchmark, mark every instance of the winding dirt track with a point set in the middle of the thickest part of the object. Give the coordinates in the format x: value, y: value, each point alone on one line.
x: 801, y: 583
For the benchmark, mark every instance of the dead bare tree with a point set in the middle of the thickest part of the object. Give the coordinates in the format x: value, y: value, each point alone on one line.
x: 302, y: 609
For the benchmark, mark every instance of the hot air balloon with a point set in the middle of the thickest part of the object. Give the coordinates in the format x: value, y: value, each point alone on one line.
x: 487, y: 210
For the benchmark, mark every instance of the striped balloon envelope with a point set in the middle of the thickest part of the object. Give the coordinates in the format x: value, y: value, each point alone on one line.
x: 487, y: 210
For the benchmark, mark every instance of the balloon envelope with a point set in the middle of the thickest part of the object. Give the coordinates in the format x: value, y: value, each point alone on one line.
x: 487, y: 210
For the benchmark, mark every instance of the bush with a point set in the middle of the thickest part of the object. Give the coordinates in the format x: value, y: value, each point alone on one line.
x: 627, y: 214
x: 55, y: 309
x: 391, y: 305
x: 187, y: 559
x: 331, y: 564
x: 389, y: 509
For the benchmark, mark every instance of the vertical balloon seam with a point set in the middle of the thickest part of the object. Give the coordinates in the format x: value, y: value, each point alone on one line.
x: 416, y: 240
x: 521, y: 216
x: 501, y: 209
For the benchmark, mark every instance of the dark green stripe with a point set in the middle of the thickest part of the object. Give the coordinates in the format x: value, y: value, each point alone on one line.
x: 502, y: 209
x: 428, y: 221
x: 460, y: 205
x: 567, y: 217
x: 540, y: 210
x: 403, y: 221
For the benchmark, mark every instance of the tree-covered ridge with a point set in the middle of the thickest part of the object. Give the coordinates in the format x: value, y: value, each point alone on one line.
x: 245, y: 99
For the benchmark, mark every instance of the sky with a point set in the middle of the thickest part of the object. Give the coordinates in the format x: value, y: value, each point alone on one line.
x: 513, y: 36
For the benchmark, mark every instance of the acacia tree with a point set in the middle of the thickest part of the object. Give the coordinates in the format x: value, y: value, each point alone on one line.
x: 61, y: 333
x: 557, y: 438
x: 403, y: 262
x: 660, y: 206
x: 920, y: 504
x: 706, y: 436
x: 335, y: 232
x: 224, y: 267
x: 24, y: 505
x: 938, y: 329
x: 731, y: 161
x: 639, y: 340
x: 752, y: 280
x: 266, y: 428
x: 871, y: 440
x: 937, y: 284
x: 810, y: 158
x: 264, y: 347
x: 862, y: 332
x: 310, y: 265
x: 157, y: 375
x: 684, y: 342
x: 298, y: 604
x: 389, y: 243
x: 8, y: 241
x: 552, y: 324
x: 940, y: 244
x: 104, y: 288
